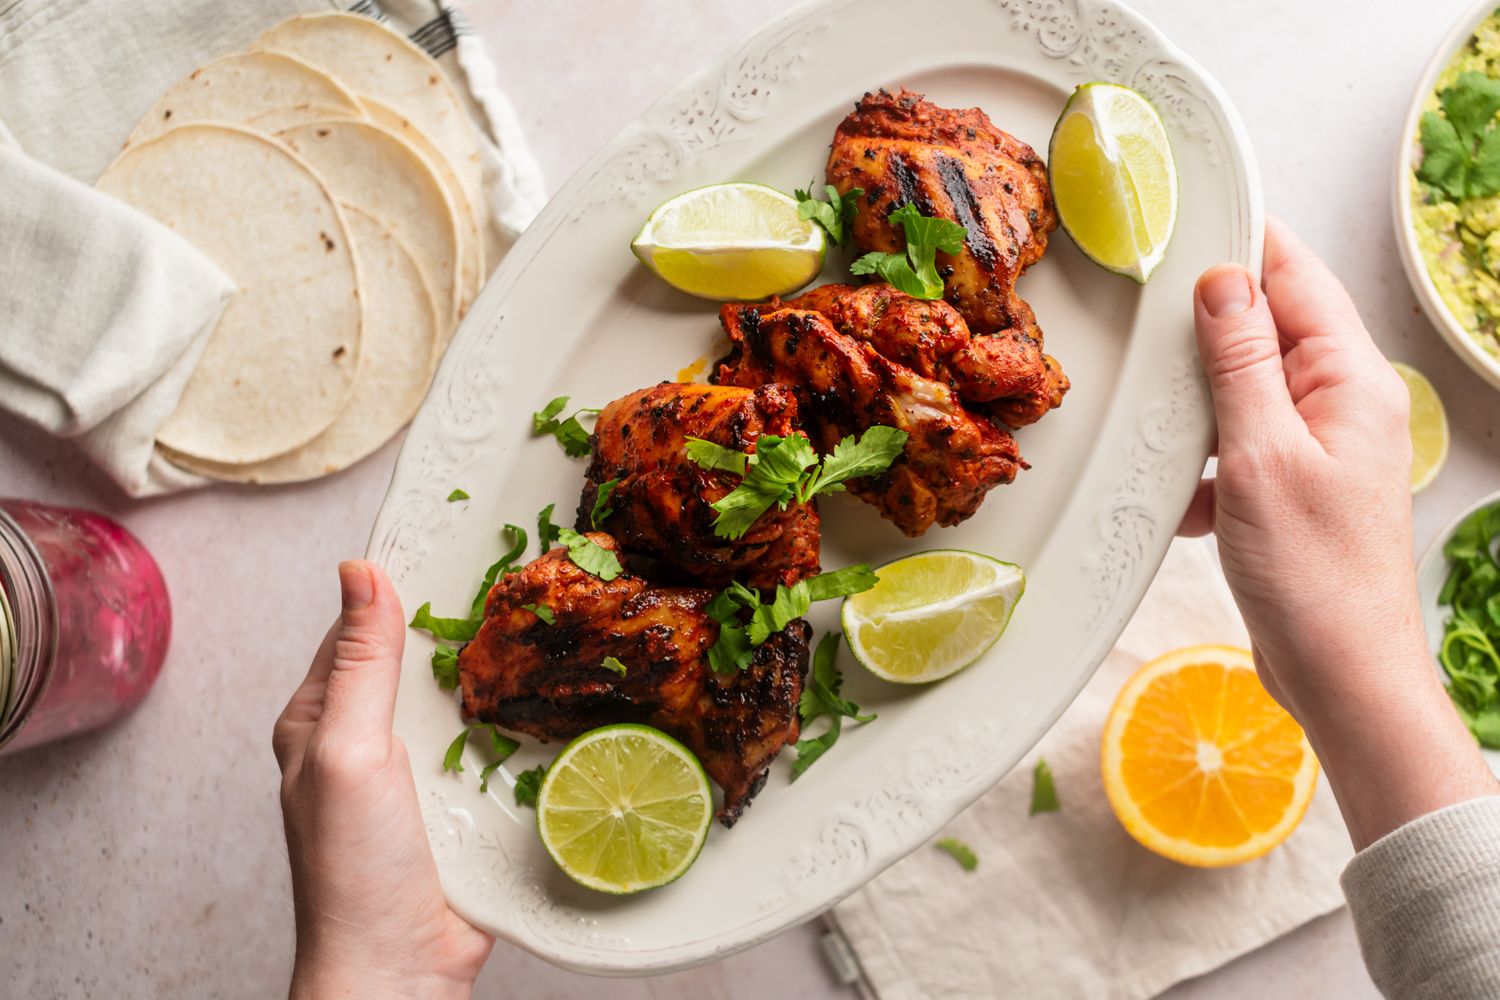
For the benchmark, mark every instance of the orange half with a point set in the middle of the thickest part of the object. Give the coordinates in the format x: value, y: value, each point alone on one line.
x: 1200, y: 763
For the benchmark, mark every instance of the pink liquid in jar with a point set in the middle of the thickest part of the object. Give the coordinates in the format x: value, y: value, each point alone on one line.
x: 92, y: 620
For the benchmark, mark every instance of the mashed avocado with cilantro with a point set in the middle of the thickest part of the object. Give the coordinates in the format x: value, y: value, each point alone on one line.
x: 1456, y: 188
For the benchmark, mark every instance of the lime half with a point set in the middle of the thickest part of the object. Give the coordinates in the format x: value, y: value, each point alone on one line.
x: 931, y: 614
x: 731, y: 241
x: 1429, y: 428
x: 1114, y: 178
x: 624, y: 808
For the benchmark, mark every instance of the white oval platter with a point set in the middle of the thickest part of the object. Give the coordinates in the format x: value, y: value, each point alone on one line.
x: 571, y: 312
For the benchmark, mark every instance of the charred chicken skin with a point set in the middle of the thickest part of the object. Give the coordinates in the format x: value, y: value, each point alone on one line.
x: 844, y: 385
x: 549, y: 680
x: 661, y: 504
x: 951, y: 164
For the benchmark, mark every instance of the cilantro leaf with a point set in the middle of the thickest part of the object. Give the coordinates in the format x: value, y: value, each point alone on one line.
x: 602, y: 509
x: 611, y: 663
x: 788, y: 603
x: 501, y: 745
x: 821, y: 698
x: 732, y: 651
x: 505, y: 564
x: 814, y: 747
x: 546, y: 531
x: 1445, y: 164
x: 835, y: 215
x: 1461, y: 147
x: 528, y: 784
x: 1043, y: 792
x: 766, y: 620
x: 960, y: 852
x: 783, y: 469
x: 457, y: 495
x: 915, y: 271
x: 542, y: 421
x: 589, y: 555
x: 568, y: 431
x: 543, y: 612
x: 841, y: 583
x: 445, y: 667
x: 452, y: 629
x: 715, y: 457
x: 464, y: 629
x: 1471, y: 103
x: 873, y: 453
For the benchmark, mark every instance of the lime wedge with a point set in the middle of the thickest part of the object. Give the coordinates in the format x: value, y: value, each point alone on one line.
x: 1114, y: 178
x: 624, y: 808
x: 731, y: 241
x: 931, y: 614
x: 1429, y: 428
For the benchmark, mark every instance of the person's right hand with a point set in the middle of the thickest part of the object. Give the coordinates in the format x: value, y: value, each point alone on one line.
x: 1312, y: 510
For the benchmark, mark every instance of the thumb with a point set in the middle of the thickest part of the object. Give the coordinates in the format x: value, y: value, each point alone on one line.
x: 361, y: 698
x: 1241, y: 354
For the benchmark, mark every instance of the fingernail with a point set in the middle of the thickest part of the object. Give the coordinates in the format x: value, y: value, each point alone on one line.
x: 356, y: 586
x: 1225, y: 292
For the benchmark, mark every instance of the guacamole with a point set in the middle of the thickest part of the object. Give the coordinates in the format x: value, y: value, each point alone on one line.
x: 1460, y: 239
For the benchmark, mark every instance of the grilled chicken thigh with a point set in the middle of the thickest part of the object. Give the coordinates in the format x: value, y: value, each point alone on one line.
x: 549, y: 680
x: 845, y: 386
x: 956, y: 165
x: 661, y: 502
x: 1004, y: 374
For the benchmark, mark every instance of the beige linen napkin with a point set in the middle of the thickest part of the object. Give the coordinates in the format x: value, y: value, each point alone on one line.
x: 1065, y: 904
x: 102, y: 311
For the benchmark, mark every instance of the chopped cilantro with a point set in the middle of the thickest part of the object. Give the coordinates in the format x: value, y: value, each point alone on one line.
x: 1043, y: 792
x: 445, y: 667
x: 546, y: 531
x: 457, y: 495
x: 610, y: 663
x: 602, y: 509
x: 542, y: 611
x: 528, y: 784
x: 960, y: 852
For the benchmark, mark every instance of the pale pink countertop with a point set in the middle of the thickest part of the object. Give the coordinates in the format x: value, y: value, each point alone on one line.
x: 147, y: 861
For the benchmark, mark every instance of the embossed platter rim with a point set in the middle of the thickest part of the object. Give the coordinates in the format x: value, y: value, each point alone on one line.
x: 569, y: 311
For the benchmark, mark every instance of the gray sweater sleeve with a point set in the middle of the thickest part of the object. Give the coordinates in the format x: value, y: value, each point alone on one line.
x: 1426, y: 904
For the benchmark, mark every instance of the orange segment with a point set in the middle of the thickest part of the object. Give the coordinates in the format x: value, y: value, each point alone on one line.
x: 1200, y: 763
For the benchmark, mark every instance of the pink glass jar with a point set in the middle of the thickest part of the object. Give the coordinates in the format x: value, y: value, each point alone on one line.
x: 91, y: 620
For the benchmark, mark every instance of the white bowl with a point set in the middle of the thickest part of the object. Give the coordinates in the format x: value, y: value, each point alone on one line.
x: 1432, y: 572
x: 1460, y: 340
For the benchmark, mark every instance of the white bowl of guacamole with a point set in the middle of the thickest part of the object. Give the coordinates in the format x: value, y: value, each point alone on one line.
x: 1447, y: 190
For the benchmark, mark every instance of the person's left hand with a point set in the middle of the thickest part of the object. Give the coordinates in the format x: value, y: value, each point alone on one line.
x: 371, y: 917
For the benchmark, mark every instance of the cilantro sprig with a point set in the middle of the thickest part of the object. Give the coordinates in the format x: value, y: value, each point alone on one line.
x: 528, y: 784
x: 1461, y: 146
x: 735, y: 647
x: 915, y: 271
x: 835, y: 215
x: 821, y: 699
x: 501, y: 745
x: 786, y: 469
x: 568, y: 431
